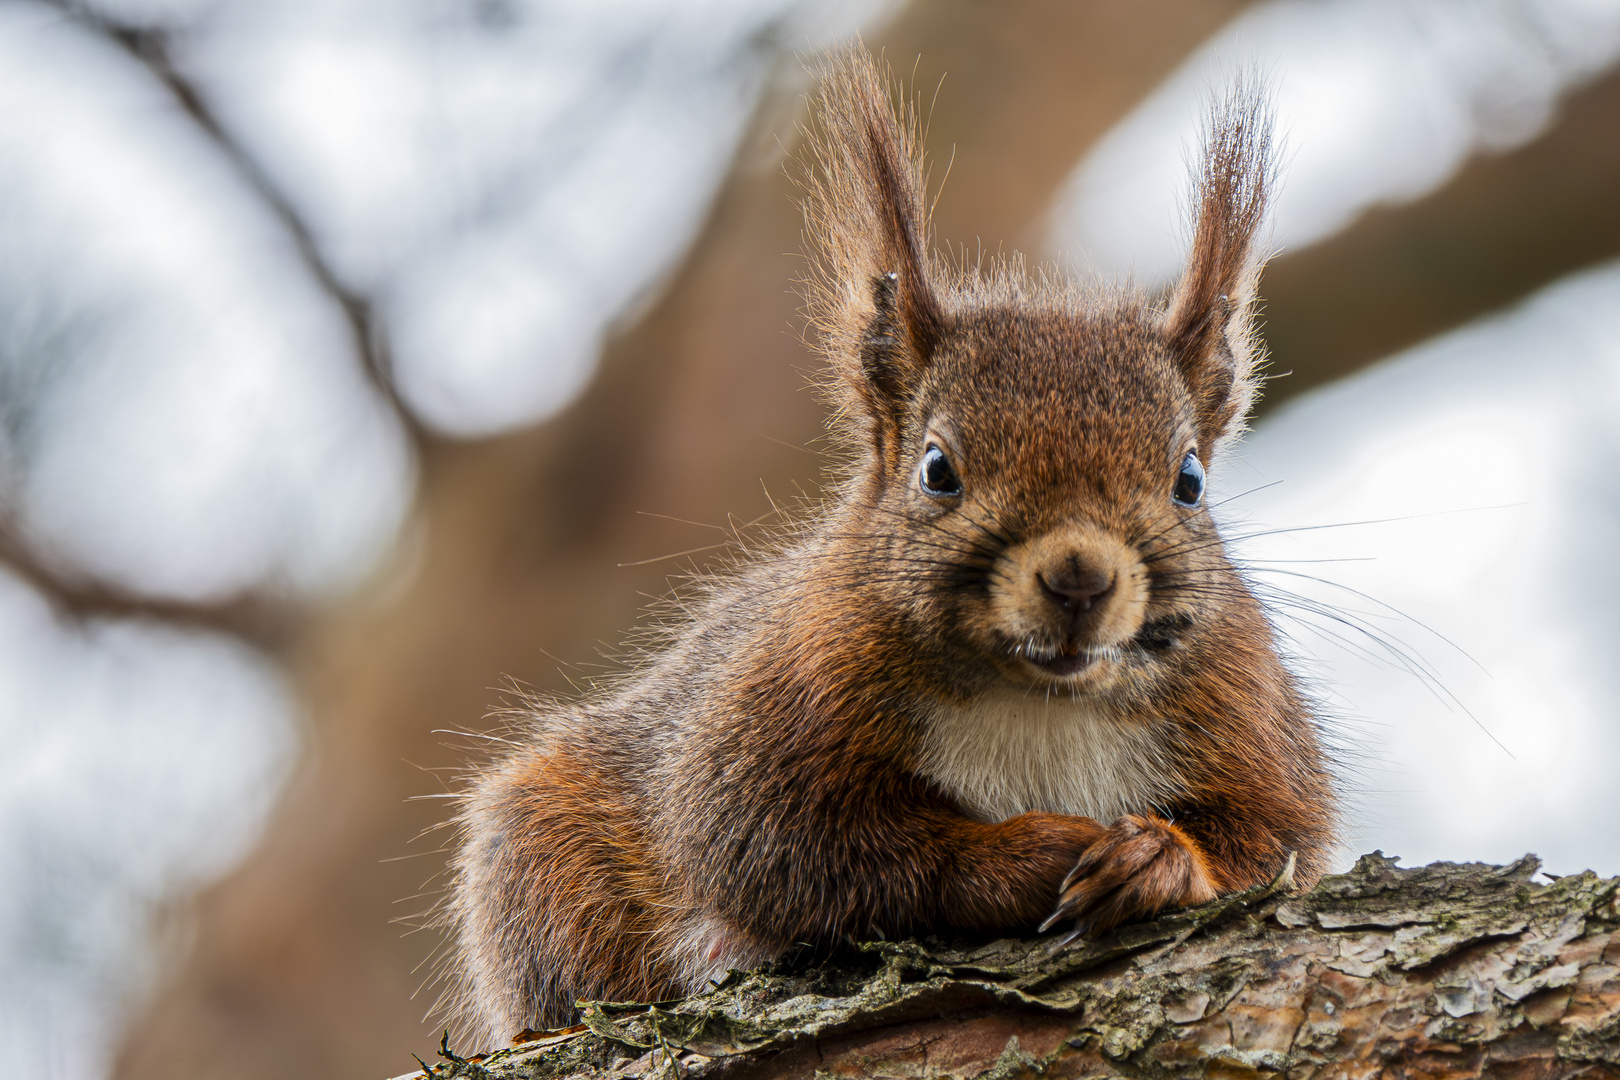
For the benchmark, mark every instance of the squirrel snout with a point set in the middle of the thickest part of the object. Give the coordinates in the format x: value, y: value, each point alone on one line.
x: 1075, y: 588
x: 1068, y: 592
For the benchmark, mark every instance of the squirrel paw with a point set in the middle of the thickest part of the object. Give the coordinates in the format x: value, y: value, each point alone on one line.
x: 1140, y: 866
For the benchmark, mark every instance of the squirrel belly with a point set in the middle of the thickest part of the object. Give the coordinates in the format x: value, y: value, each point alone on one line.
x: 1006, y: 675
x: 1010, y: 752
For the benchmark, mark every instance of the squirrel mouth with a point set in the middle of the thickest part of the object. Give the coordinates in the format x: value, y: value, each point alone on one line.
x: 1064, y: 665
x: 1065, y: 660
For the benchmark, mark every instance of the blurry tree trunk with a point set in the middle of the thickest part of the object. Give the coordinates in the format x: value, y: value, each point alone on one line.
x: 1504, y: 227
x: 1445, y: 971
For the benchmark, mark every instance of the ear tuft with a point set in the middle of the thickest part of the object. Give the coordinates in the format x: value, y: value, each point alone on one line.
x: 1210, y: 319
x: 870, y: 287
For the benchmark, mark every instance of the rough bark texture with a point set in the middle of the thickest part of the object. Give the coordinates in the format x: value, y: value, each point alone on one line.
x: 1445, y: 971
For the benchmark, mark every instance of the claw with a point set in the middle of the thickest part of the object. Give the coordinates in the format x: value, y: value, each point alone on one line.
x: 1142, y: 865
x: 1081, y: 929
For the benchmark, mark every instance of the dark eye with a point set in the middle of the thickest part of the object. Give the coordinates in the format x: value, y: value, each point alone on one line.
x: 1189, y: 481
x: 936, y: 475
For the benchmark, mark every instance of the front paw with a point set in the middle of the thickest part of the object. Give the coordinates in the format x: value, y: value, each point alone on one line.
x: 1140, y: 866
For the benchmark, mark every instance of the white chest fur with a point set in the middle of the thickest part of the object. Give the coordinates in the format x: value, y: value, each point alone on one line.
x: 1007, y: 753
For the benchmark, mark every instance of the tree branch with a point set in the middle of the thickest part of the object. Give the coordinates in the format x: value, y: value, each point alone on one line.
x: 1448, y: 970
x: 152, y: 47
x: 265, y: 620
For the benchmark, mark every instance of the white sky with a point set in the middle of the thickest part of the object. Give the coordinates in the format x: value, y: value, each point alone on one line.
x: 1377, y: 101
x: 185, y: 416
x: 505, y: 184
x: 139, y: 759
x: 1493, y: 450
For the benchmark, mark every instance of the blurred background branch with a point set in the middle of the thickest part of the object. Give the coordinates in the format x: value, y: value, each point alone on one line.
x: 152, y: 47
x: 1504, y: 226
x: 265, y: 622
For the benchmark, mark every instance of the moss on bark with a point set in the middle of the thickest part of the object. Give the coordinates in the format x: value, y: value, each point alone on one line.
x: 1446, y: 970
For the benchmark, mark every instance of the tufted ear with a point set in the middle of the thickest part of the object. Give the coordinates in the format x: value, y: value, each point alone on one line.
x: 870, y: 288
x: 1210, y: 319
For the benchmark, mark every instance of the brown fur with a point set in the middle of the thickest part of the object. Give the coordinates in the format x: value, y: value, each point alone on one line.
x: 847, y: 738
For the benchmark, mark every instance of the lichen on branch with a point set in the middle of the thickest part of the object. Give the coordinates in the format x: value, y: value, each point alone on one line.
x: 1445, y: 970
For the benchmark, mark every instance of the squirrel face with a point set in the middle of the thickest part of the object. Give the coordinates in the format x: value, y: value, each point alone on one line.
x: 1029, y: 497
x: 1046, y: 488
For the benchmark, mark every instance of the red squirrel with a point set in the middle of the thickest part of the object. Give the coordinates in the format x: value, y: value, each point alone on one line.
x: 1004, y: 676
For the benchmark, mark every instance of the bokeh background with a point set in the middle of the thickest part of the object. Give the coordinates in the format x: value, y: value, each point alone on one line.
x: 361, y: 357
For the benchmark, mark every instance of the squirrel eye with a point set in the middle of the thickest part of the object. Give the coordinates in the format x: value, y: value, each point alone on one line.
x: 936, y: 475
x: 1189, y: 481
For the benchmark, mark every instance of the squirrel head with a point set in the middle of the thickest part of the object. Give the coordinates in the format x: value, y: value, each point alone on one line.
x: 1028, y: 486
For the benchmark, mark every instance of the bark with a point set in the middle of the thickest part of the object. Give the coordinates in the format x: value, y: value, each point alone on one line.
x: 1445, y: 971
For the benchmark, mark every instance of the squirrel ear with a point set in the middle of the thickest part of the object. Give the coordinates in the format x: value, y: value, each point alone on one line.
x: 869, y: 289
x: 1210, y: 319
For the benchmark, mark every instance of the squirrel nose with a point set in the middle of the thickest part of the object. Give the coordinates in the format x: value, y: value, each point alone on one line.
x: 1076, y: 588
